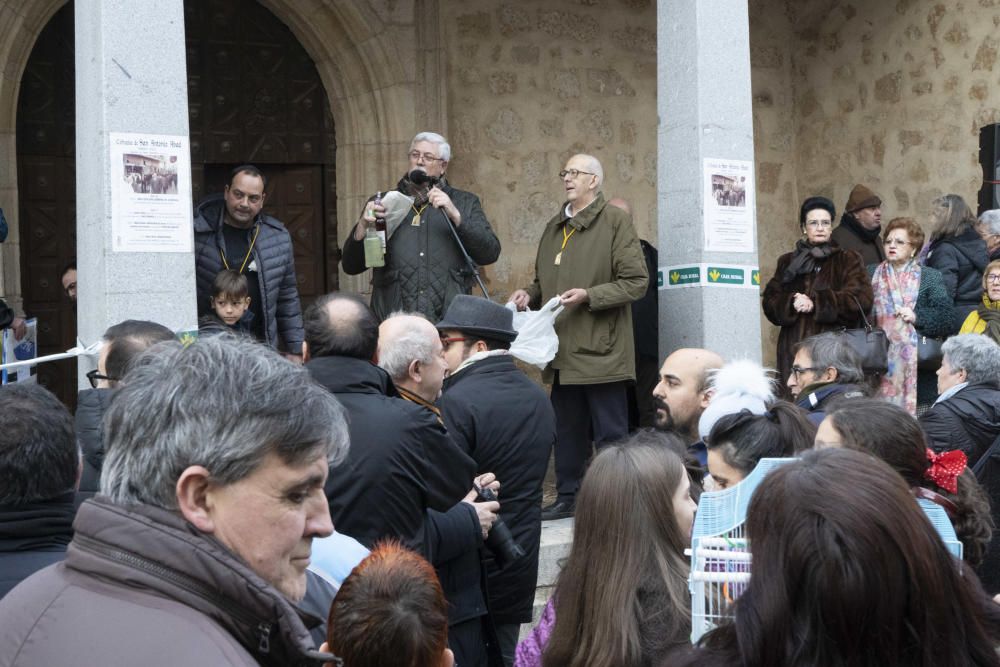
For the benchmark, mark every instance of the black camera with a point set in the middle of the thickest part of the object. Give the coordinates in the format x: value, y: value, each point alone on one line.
x: 499, y: 540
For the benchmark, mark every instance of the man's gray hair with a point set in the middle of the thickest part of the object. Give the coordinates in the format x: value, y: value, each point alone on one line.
x: 444, y: 148
x: 976, y: 354
x: 831, y: 350
x: 224, y: 403
x: 990, y: 220
x: 594, y: 166
x: 396, y: 355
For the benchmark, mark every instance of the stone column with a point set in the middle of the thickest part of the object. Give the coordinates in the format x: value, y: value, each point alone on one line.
x: 131, y: 77
x: 711, y: 298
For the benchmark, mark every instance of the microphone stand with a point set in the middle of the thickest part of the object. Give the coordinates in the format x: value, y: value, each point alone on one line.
x: 472, y: 266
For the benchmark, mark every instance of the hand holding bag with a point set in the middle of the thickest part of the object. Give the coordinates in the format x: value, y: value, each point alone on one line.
x: 871, y: 343
x: 536, y: 342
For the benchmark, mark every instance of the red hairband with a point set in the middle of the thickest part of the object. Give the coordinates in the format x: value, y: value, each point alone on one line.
x: 945, y: 468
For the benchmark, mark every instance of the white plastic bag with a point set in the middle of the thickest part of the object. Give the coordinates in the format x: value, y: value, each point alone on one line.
x: 536, y: 342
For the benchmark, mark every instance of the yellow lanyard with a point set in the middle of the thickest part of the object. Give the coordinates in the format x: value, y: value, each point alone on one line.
x: 416, y: 219
x: 565, y: 239
x: 249, y: 250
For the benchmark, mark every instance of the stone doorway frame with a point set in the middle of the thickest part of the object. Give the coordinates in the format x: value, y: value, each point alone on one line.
x: 383, y: 69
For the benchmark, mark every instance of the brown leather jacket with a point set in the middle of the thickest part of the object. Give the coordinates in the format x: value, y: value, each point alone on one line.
x: 140, y: 586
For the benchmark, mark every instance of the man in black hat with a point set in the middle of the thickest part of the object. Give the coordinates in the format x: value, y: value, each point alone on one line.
x: 505, y: 422
x: 861, y: 224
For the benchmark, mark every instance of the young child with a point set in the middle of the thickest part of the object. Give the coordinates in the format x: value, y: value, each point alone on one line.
x: 231, y: 303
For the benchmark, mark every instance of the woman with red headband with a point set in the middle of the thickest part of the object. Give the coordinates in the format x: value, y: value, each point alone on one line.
x: 893, y: 435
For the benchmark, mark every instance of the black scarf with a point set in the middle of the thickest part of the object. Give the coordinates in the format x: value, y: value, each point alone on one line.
x: 37, y: 526
x: 806, y: 260
x: 418, y: 192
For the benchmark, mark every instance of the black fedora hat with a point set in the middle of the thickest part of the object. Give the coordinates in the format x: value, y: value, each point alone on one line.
x: 480, y: 317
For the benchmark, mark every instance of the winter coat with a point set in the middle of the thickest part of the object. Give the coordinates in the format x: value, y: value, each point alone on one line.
x: 505, y: 422
x: 213, y: 325
x: 424, y: 267
x: 6, y: 314
x: 32, y: 537
x: 141, y: 586
x: 604, y: 257
x: 969, y: 420
x: 275, y: 260
x: 848, y: 238
x: 401, y: 461
x: 840, y: 277
x: 815, y: 399
x: 90, y: 407
x: 961, y: 260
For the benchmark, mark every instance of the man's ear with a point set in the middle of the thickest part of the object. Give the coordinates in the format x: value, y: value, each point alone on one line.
x: 305, y: 351
x: 706, y: 397
x: 193, y: 498
x: 829, y: 375
x: 413, y: 370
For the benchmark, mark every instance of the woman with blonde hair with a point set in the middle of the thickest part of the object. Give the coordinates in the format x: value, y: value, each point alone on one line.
x: 985, y: 319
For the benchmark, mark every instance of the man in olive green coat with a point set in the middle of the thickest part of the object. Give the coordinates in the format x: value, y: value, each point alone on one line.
x: 589, y: 256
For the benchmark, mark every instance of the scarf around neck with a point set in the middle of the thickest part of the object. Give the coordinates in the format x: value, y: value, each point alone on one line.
x: 989, y: 312
x: 893, y: 290
x: 807, y: 259
x: 418, y: 192
x: 40, y: 526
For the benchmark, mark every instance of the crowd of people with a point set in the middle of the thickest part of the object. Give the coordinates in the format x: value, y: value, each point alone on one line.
x: 360, y: 483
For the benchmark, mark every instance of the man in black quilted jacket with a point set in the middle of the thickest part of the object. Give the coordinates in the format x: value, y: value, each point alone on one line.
x: 424, y: 266
x: 230, y: 232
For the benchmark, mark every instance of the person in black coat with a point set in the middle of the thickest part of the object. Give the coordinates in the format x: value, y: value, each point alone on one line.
x: 401, y: 462
x: 958, y: 251
x: 966, y: 415
x: 506, y: 423
x: 123, y: 343
x: 39, y: 470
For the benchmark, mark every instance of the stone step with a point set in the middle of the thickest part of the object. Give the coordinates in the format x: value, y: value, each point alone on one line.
x: 557, y: 537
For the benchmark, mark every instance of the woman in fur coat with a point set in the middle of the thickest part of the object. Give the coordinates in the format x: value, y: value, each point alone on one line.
x: 818, y: 287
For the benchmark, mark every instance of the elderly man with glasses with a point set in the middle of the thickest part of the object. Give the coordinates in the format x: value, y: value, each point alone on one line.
x: 425, y: 267
x: 589, y: 256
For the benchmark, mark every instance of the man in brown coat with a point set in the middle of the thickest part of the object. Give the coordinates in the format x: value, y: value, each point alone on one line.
x: 196, y: 553
x: 861, y: 224
x: 589, y: 256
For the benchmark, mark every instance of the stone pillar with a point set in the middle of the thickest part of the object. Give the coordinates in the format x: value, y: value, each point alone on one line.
x: 131, y: 77
x: 711, y: 297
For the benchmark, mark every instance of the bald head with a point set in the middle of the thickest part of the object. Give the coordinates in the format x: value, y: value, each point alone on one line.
x: 682, y: 393
x: 340, y: 325
x: 410, y: 351
x: 623, y: 204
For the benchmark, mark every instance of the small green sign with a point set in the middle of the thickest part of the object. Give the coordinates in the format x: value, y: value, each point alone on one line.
x: 726, y: 276
x: 685, y: 275
x: 659, y: 279
x: 755, y: 277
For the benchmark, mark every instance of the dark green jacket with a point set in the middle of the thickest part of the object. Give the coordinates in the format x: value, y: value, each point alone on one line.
x: 602, y: 256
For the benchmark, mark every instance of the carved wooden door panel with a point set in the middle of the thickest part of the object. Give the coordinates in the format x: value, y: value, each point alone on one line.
x: 47, y: 196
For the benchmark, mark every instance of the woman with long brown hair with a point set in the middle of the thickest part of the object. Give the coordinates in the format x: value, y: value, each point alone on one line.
x: 847, y: 570
x: 621, y: 599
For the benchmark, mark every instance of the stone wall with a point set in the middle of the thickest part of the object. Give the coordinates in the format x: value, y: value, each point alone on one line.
x: 531, y: 84
x: 891, y: 94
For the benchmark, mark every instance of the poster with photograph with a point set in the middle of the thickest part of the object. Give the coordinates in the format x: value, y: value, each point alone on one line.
x: 729, y: 205
x: 150, y: 193
x: 19, y: 349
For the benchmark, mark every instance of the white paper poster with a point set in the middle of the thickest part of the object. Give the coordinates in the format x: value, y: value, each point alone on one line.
x: 24, y: 349
x: 151, y: 193
x: 729, y: 205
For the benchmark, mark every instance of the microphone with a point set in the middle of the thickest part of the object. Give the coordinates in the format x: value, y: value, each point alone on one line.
x: 419, y: 177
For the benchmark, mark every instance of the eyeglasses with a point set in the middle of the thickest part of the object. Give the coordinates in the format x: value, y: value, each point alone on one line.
x: 895, y: 242
x: 573, y: 173
x: 819, y: 223
x: 416, y: 155
x: 797, y: 371
x: 993, y: 278
x: 240, y: 196
x: 95, y: 376
x: 446, y: 342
